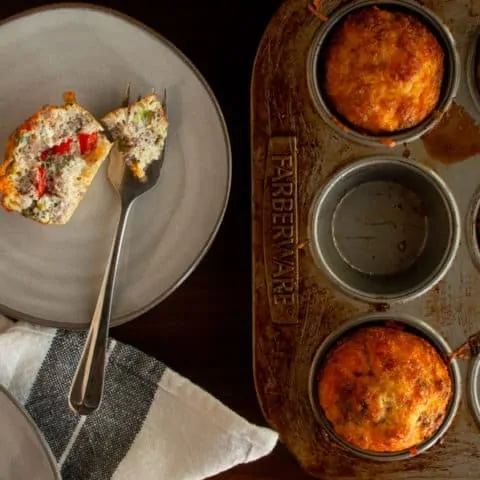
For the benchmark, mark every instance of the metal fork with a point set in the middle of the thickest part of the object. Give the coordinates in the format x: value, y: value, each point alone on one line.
x: 87, y: 386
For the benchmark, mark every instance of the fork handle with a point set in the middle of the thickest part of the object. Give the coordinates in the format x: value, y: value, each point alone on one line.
x: 87, y: 385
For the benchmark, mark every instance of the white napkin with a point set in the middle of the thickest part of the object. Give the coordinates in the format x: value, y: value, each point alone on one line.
x: 152, y: 424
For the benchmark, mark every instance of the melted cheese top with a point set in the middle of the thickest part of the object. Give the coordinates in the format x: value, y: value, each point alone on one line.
x: 383, y: 70
x: 384, y: 389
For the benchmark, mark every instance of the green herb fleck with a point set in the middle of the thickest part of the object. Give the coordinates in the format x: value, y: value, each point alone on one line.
x: 144, y: 115
x: 31, y: 210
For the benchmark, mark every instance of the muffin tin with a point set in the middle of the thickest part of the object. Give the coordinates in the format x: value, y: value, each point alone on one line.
x: 346, y: 226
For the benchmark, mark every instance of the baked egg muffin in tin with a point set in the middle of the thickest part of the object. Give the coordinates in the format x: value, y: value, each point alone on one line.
x: 383, y: 73
x: 384, y: 386
x: 383, y: 70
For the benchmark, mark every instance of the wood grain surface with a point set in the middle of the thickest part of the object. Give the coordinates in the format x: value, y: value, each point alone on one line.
x: 203, y: 330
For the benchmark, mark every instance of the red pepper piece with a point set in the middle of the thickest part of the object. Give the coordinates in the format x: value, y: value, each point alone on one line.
x: 60, y: 149
x: 41, y: 183
x: 87, y: 141
x: 46, y: 154
x: 63, y: 147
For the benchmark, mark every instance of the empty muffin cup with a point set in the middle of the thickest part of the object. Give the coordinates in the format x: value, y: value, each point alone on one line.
x: 401, y: 323
x: 316, y: 63
x: 384, y: 229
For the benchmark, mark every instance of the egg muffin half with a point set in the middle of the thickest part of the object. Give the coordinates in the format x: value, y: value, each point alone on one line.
x: 384, y: 389
x: 50, y: 161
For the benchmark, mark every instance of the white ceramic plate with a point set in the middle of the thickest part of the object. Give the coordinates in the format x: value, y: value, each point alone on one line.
x: 24, y: 452
x: 51, y: 274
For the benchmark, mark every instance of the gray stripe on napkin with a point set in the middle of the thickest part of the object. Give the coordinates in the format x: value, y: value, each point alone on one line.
x: 47, y: 402
x: 130, y: 384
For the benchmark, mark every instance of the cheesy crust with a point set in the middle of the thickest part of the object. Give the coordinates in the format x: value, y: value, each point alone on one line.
x: 140, y: 131
x: 51, y: 160
x: 384, y: 389
x: 383, y: 71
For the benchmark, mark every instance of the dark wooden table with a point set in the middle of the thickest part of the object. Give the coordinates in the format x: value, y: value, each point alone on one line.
x: 203, y: 330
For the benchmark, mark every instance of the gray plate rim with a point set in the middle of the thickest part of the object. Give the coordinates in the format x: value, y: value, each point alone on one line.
x: 38, y: 434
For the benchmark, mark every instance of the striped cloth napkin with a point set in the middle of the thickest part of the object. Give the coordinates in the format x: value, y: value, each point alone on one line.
x: 152, y: 423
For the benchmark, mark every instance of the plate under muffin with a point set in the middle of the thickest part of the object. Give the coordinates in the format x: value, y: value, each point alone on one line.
x: 51, y: 275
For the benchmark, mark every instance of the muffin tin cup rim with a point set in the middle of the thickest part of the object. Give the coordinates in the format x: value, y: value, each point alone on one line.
x: 471, y: 228
x: 434, y: 337
x: 450, y: 204
x: 470, y: 66
x: 473, y: 389
x: 380, y: 141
